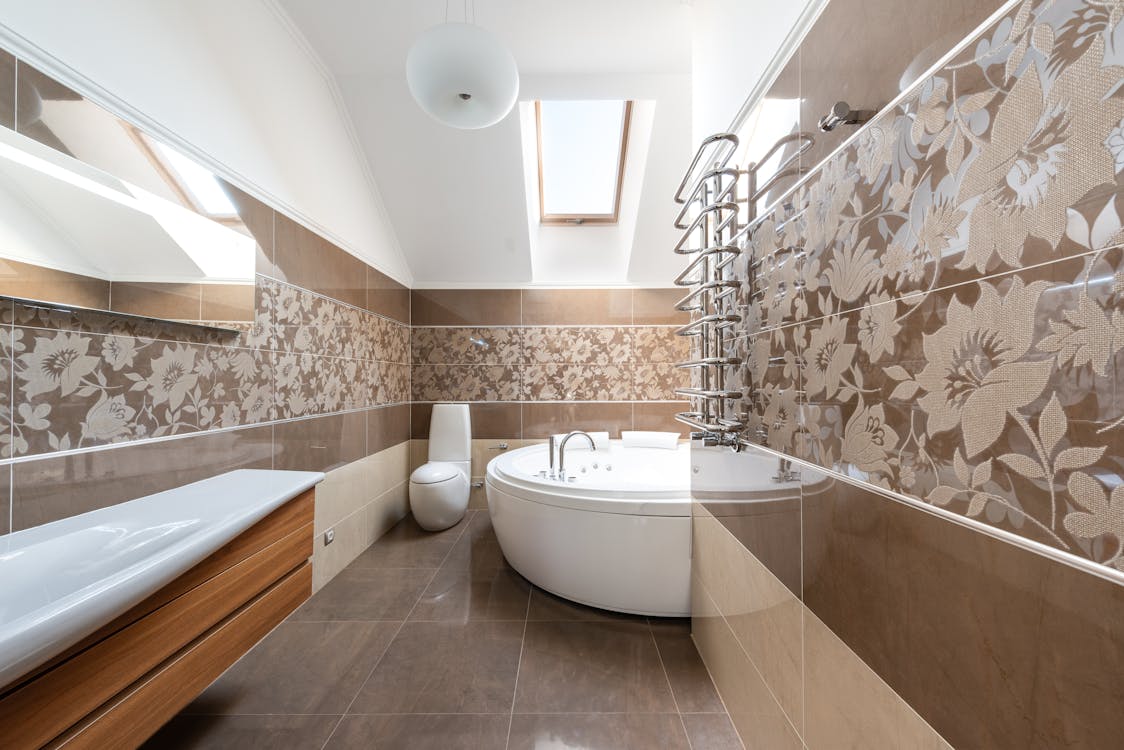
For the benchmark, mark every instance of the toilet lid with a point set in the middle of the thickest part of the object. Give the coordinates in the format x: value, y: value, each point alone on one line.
x: 433, y: 473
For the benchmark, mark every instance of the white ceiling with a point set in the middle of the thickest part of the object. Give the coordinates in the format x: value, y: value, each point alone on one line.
x: 458, y: 200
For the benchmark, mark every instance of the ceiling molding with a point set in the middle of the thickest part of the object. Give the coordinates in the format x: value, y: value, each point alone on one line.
x: 27, y: 51
x: 342, y: 111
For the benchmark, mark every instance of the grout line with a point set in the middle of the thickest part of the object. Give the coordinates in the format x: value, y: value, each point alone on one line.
x: 667, y: 679
x: 519, y: 666
x: 401, y: 625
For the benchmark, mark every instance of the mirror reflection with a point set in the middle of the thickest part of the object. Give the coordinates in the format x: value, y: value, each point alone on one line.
x: 95, y: 213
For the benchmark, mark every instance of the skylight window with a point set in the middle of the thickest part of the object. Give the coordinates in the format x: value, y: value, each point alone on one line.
x: 582, y: 147
x: 194, y: 185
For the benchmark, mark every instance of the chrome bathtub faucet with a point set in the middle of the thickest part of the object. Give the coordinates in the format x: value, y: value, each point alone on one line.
x: 562, y: 452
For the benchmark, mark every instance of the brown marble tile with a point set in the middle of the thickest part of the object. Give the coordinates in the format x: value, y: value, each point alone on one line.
x: 251, y: 732
x: 299, y: 668
x: 421, y: 732
x: 711, y: 731
x: 599, y: 731
x: 320, y: 443
x: 360, y: 593
x: 591, y: 666
x: 545, y: 419
x: 546, y: 607
x: 489, y: 420
x: 8, y: 90
x: 445, y: 667
x: 755, y: 714
x: 407, y: 545
x: 157, y: 300
x: 43, y: 489
x: 464, y: 307
x: 29, y: 281
x: 660, y: 417
x: 690, y: 682
x: 5, y: 499
x: 258, y: 219
x: 305, y: 259
x: 577, y: 307
x: 475, y: 582
x: 386, y: 296
x: 657, y: 307
x: 227, y: 302
x: 967, y: 628
x: 387, y: 426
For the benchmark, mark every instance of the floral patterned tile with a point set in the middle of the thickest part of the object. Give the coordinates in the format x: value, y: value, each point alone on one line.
x: 1009, y: 157
x: 994, y: 399
x: 657, y: 382
x: 466, y: 346
x: 578, y: 383
x: 659, y: 345
x: 592, y: 346
x: 465, y: 383
x: 75, y: 390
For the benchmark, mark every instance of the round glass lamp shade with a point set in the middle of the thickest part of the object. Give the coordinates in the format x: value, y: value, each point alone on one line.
x: 462, y: 76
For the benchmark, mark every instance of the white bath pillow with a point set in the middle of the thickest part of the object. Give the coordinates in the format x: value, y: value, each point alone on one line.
x: 649, y: 439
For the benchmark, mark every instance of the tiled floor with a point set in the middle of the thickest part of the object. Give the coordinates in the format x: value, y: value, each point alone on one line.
x: 432, y: 641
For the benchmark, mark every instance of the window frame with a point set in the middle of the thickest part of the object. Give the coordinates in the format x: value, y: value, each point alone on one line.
x: 582, y: 219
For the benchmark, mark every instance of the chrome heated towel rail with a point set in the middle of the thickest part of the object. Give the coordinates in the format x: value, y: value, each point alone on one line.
x: 715, y: 221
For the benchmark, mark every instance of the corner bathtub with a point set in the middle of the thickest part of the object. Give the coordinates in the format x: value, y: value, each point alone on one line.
x: 618, y: 536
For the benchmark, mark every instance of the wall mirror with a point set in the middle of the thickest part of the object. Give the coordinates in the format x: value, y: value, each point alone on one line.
x: 96, y: 214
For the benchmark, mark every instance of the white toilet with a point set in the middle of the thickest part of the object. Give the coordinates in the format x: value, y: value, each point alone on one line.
x: 439, y: 489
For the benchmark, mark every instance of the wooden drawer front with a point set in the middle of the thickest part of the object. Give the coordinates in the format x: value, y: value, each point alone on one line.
x: 135, y: 714
x: 294, y: 515
x: 51, y: 703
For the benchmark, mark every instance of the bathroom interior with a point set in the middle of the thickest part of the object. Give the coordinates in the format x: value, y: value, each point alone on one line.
x: 688, y: 374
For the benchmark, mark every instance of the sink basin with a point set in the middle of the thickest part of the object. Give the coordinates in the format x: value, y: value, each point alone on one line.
x: 61, y: 581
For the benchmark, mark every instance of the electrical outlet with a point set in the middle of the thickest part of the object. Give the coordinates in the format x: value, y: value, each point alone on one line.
x: 329, y: 536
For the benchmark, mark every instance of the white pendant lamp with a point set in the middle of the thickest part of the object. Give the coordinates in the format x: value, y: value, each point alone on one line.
x: 462, y: 76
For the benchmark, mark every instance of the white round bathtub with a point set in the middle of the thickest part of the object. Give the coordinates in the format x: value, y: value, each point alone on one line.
x: 618, y: 536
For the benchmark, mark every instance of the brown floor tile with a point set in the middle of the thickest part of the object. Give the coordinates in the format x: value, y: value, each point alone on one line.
x: 421, y: 732
x: 408, y: 545
x: 591, y: 666
x: 445, y: 667
x: 475, y: 583
x: 711, y: 732
x: 300, y: 668
x: 545, y: 607
x: 690, y: 682
x: 598, y: 732
x: 367, y: 594
x: 269, y: 732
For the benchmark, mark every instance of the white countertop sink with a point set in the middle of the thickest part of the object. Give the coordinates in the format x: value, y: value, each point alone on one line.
x: 61, y: 581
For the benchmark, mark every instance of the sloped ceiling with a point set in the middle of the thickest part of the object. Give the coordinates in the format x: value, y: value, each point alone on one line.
x: 458, y: 200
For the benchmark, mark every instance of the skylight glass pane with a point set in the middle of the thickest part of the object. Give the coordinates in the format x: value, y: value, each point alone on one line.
x: 202, y: 185
x: 581, y: 152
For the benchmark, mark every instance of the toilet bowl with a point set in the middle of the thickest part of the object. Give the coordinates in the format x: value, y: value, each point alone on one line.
x: 439, y: 488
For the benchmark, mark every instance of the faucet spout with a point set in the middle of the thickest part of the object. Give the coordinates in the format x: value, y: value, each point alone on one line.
x: 562, y: 451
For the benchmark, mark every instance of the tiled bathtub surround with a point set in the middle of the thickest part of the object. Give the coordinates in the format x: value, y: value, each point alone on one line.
x: 545, y: 349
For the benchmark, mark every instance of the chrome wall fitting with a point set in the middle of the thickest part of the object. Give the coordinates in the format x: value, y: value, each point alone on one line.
x: 842, y: 114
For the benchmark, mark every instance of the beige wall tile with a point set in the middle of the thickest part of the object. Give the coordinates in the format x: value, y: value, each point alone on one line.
x: 356, y: 533
x: 758, y: 718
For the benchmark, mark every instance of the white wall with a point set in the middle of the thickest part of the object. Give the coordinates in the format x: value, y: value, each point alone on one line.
x: 732, y: 45
x: 229, y: 82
